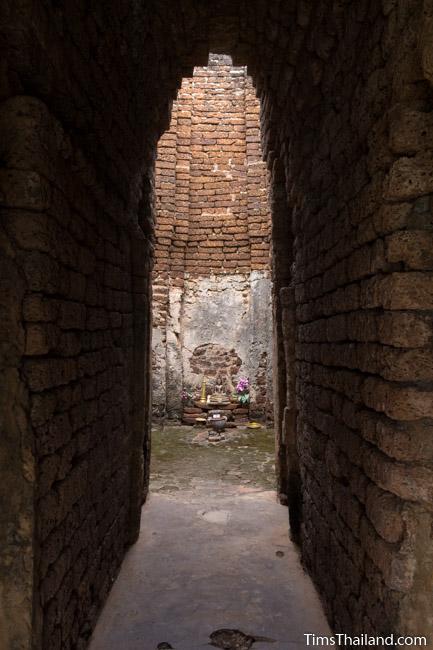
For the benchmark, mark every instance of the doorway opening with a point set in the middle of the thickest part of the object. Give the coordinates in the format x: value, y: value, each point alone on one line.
x: 212, y: 283
x: 214, y: 547
x: 212, y: 315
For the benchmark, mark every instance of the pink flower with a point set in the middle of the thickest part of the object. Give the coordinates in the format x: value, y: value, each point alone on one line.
x: 242, y: 385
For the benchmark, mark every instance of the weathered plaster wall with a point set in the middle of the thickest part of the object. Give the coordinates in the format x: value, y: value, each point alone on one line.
x: 212, y: 283
x: 232, y: 312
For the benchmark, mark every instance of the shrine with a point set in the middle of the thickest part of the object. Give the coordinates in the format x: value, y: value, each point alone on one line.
x: 233, y: 409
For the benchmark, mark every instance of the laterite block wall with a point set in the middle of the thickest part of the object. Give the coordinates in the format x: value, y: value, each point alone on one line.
x: 353, y: 302
x: 75, y: 323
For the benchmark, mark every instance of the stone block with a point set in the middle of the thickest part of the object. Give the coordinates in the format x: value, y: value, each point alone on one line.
x: 41, y: 339
x: 398, y: 568
x: 72, y: 315
x: 410, y: 131
x: 24, y: 189
x: 410, y: 178
x: 413, y: 248
x: 384, y: 511
x: 38, y: 307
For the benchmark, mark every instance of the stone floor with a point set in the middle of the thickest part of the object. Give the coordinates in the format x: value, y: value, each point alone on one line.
x: 213, y: 553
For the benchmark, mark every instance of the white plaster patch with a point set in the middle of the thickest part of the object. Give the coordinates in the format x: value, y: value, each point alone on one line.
x: 216, y: 516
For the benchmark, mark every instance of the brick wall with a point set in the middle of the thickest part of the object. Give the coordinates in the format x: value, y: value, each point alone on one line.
x: 79, y: 347
x: 354, y: 350
x: 212, y: 237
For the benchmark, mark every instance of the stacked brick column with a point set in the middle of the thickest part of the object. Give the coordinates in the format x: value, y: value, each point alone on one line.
x: 256, y: 191
x: 219, y: 220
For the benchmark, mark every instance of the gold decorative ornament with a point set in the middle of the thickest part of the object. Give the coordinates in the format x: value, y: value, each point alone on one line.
x: 203, y: 392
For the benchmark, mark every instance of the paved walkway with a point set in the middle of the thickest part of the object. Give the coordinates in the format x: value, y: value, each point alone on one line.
x: 213, y: 554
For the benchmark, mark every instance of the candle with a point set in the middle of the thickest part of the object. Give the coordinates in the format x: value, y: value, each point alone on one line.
x: 203, y: 391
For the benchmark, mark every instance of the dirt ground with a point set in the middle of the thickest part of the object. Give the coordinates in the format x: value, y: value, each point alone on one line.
x: 180, y: 460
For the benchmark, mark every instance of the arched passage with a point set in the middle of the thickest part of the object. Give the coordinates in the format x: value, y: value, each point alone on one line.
x: 346, y: 110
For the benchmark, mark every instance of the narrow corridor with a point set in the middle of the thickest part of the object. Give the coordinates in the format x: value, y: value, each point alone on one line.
x: 171, y: 221
x: 213, y: 553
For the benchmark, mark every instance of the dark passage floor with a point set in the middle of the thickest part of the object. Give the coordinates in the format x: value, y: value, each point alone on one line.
x: 213, y: 553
